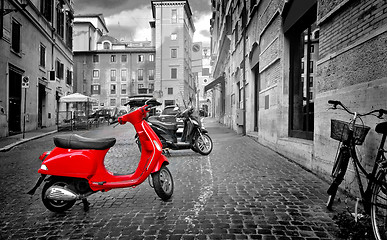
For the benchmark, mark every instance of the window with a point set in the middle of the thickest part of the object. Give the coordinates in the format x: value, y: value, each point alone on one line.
x: 69, y: 77
x: 151, y: 57
x: 170, y: 91
x: 124, y: 58
x: 46, y: 9
x: 169, y: 102
x: 59, y: 21
x: 151, y: 74
x: 113, y: 58
x: 95, y: 89
x: 140, y: 74
x: 174, y: 16
x: 174, y: 73
x: 173, y: 36
x: 301, y: 102
x: 311, y: 67
x: 95, y: 58
x: 312, y: 48
x: 123, y: 88
x: 140, y: 58
x: 59, y: 69
x: 69, y: 29
x: 15, y: 44
x: 173, y: 53
x: 123, y: 101
x: 151, y: 87
x: 113, y: 102
x: 113, y: 89
x: 95, y: 73
x: 106, y: 45
x: 42, y: 58
x: 113, y: 75
x: 123, y: 75
x: 142, y: 89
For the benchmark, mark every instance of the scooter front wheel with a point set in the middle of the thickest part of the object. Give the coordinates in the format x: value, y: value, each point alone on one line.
x: 163, y: 183
x: 203, y: 144
x: 56, y: 205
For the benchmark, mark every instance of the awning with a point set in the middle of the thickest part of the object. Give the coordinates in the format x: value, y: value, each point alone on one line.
x: 212, y: 84
x: 76, y: 97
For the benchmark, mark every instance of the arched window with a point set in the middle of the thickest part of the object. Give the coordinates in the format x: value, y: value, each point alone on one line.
x: 106, y: 45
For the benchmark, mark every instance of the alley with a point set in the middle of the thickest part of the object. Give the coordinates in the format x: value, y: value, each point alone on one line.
x: 242, y: 190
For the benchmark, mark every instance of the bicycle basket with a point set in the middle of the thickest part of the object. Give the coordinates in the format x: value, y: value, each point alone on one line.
x: 340, y: 131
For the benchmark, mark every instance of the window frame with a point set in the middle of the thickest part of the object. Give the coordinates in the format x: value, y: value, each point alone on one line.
x: 42, y: 55
x: 301, y: 115
x: 16, y: 37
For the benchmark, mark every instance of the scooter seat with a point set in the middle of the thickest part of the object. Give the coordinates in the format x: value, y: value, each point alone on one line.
x: 168, y: 126
x: 74, y: 141
x: 381, y: 128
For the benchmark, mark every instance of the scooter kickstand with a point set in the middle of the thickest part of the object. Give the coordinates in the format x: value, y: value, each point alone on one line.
x: 86, y: 205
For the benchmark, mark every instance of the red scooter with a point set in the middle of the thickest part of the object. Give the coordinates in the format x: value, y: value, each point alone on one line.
x: 76, y: 166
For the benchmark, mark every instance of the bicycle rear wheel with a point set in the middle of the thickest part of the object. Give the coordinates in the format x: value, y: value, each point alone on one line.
x: 338, y: 172
x: 379, y: 207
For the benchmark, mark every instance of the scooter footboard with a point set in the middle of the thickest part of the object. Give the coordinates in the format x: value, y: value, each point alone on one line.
x: 162, y: 161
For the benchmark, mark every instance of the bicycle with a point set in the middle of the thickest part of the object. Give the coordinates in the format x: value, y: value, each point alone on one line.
x: 374, y: 196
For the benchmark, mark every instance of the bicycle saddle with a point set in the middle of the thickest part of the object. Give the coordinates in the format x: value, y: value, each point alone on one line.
x: 381, y: 128
x: 74, y: 141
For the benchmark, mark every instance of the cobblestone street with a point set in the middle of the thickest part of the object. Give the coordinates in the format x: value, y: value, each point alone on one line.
x: 242, y: 190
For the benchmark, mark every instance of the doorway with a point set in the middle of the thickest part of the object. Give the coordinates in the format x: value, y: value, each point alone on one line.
x: 14, y: 102
x: 256, y: 97
x: 41, y: 104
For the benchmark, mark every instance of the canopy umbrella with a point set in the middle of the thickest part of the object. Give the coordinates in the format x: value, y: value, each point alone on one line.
x: 77, y: 97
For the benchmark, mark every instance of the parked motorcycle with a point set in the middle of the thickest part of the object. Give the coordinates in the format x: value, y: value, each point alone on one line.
x: 194, y: 136
x: 76, y: 166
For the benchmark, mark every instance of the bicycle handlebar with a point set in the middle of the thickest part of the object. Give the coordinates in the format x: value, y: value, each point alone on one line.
x: 335, y: 103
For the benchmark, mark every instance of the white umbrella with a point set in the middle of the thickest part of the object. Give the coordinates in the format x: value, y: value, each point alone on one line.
x: 77, y: 97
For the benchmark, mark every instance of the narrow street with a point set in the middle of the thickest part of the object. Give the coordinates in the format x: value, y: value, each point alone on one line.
x: 242, y: 190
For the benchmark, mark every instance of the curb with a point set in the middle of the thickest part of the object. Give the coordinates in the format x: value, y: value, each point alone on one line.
x: 10, y: 146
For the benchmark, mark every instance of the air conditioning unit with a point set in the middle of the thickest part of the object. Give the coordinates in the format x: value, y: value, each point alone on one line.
x: 51, y: 75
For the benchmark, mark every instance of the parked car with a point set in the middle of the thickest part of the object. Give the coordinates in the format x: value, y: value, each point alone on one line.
x: 103, y: 114
x: 116, y: 113
x: 139, y: 101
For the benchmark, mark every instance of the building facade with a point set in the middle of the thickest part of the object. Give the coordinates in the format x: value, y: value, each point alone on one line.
x: 107, y: 69
x: 277, y: 63
x: 36, y: 49
x: 174, y: 28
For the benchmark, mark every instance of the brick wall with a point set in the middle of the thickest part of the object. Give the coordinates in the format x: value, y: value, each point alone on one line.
x: 346, y: 25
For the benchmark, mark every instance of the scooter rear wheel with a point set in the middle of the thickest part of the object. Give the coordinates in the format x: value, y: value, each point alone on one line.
x: 163, y: 183
x: 56, y: 205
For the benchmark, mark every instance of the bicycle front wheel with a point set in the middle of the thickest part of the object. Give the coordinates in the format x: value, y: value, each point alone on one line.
x: 379, y: 207
x: 338, y: 172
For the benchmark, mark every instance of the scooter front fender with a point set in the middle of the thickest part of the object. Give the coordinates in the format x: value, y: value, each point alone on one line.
x: 161, y: 161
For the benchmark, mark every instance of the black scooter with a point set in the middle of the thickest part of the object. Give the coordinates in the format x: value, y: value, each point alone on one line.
x: 194, y: 136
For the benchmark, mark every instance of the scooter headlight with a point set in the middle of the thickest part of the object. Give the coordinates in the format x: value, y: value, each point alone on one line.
x: 43, y: 167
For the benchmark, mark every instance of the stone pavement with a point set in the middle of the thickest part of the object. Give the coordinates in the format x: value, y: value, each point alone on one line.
x: 7, y: 143
x: 242, y: 190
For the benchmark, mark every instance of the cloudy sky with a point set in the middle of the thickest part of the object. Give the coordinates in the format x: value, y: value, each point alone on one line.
x: 129, y: 19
